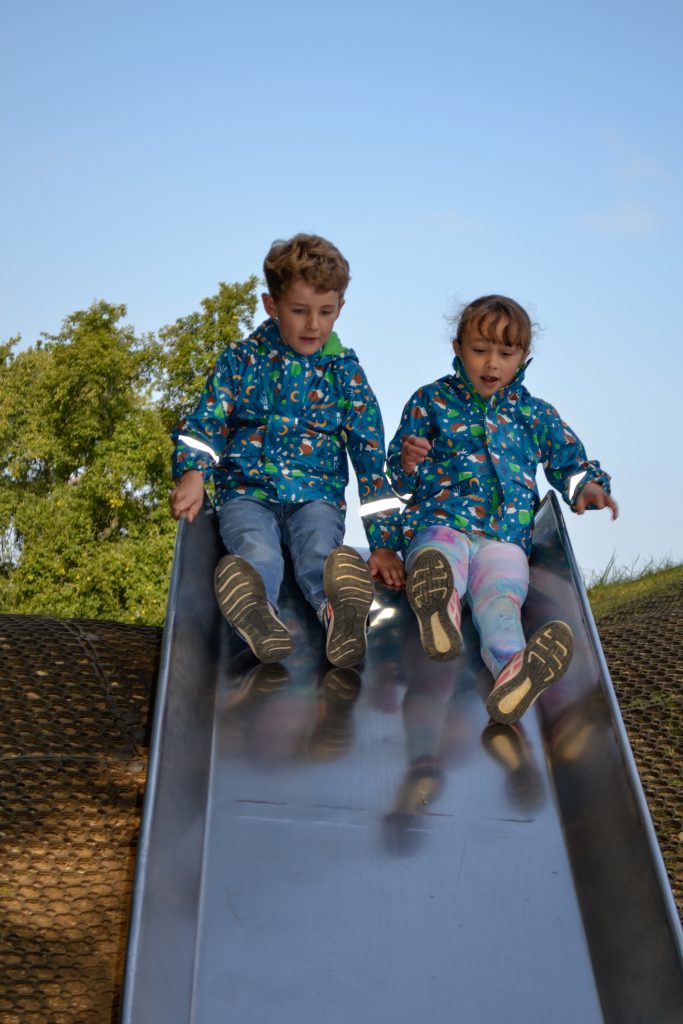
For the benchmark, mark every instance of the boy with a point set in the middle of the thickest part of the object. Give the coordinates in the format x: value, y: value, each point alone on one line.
x: 275, y: 421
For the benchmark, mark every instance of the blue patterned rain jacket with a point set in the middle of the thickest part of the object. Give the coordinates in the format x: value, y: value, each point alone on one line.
x: 276, y: 425
x: 480, y: 475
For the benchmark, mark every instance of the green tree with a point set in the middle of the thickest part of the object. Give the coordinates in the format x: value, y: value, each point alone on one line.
x: 192, y: 344
x: 85, y: 457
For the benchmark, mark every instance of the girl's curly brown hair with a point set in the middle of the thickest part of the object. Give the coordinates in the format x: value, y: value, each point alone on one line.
x: 483, y: 316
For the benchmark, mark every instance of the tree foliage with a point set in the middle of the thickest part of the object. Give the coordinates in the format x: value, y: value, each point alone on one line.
x: 192, y: 344
x: 85, y: 456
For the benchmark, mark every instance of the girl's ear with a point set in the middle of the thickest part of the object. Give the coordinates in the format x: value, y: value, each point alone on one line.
x: 269, y: 305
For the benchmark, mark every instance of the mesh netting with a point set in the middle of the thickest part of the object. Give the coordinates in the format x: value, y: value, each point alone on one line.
x: 643, y: 645
x: 73, y: 712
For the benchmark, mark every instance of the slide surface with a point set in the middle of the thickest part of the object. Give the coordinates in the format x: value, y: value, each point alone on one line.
x: 329, y: 846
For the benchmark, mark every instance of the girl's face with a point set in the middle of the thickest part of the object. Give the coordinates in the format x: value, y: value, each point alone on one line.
x: 490, y: 365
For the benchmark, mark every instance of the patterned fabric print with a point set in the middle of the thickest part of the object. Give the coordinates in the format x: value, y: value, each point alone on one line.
x: 480, y: 475
x: 495, y: 578
x: 276, y: 425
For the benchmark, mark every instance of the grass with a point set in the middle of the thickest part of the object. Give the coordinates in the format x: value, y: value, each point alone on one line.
x: 617, y: 586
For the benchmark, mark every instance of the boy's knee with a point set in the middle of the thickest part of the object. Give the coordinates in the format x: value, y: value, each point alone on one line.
x: 318, y: 525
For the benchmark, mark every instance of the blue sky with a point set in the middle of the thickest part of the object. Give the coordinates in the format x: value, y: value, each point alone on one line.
x: 450, y: 150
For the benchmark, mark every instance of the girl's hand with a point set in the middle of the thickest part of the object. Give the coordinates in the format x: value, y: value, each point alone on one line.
x: 385, y: 565
x: 414, y: 450
x: 594, y: 494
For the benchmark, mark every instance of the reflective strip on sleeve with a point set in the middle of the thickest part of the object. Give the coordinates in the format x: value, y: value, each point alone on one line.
x: 574, y: 482
x: 383, y: 505
x: 199, y: 446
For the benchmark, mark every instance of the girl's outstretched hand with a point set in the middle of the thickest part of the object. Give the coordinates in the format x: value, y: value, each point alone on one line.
x: 594, y: 494
x: 387, y: 567
x: 414, y: 450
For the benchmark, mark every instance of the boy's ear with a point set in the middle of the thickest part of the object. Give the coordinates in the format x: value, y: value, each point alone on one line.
x: 269, y: 305
x: 456, y: 347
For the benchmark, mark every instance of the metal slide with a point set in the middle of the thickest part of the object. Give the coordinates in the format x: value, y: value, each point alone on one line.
x: 319, y: 850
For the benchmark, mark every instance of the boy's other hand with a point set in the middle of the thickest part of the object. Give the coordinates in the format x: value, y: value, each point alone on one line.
x: 188, y: 497
x: 594, y: 494
x: 385, y: 565
x: 414, y: 450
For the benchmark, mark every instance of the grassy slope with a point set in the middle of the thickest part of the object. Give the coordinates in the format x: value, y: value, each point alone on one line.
x: 606, y: 598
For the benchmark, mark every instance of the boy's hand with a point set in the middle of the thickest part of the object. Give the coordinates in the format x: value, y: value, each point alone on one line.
x: 188, y: 497
x: 594, y: 494
x: 414, y: 450
x: 388, y: 567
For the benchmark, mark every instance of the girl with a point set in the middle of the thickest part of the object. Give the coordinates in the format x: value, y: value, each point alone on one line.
x: 465, y: 458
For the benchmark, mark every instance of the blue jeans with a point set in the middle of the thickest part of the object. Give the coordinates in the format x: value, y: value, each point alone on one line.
x: 256, y: 530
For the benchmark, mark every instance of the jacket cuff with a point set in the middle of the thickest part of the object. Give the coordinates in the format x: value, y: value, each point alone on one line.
x: 589, y: 476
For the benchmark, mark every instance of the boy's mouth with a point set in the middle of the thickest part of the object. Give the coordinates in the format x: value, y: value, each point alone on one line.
x: 489, y: 381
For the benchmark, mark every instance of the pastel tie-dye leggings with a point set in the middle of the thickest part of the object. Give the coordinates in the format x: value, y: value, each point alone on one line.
x: 494, y: 576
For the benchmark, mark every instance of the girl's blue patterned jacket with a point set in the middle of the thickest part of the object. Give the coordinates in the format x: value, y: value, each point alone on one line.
x: 480, y: 474
x: 277, y: 425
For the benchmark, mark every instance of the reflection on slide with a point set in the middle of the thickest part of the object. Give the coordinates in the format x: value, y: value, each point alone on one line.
x: 338, y: 845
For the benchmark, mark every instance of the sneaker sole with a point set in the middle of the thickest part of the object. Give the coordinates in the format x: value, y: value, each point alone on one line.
x: 546, y: 658
x: 429, y: 590
x: 261, y: 682
x: 333, y: 735
x: 242, y: 599
x: 342, y: 684
x: 350, y: 592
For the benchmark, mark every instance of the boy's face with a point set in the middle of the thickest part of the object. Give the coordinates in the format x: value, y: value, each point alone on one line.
x: 491, y: 366
x: 305, y: 317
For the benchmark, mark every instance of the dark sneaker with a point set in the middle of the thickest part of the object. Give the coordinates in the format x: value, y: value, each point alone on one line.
x: 433, y: 598
x: 544, y: 659
x: 260, y: 683
x: 333, y: 734
x: 509, y: 747
x: 241, y: 598
x: 246, y: 702
x: 350, y: 592
x: 405, y: 825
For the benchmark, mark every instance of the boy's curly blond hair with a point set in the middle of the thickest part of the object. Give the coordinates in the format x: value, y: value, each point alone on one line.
x: 309, y: 257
